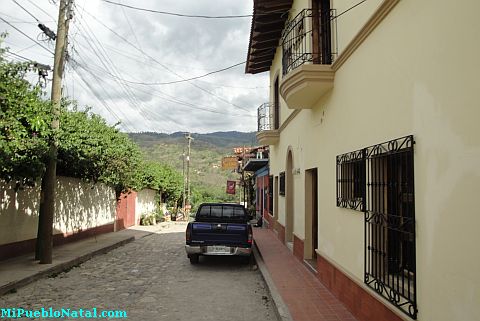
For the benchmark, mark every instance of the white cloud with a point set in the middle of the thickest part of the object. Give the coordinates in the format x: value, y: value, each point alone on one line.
x: 188, y: 47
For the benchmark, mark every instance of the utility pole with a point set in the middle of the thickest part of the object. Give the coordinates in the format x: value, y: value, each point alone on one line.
x: 183, y: 202
x: 189, y: 137
x: 47, y: 202
x: 243, y: 175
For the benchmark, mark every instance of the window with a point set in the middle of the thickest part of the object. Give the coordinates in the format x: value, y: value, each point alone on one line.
x: 379, y: 181
x: 270, y: 194
x: 282, y: 184
x: 390, y: 266
x: 322, y: 33
x: 218, y: 212
x: 351, y: 180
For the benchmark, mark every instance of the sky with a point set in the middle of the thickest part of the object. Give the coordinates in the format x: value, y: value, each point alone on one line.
x: 121, y: 58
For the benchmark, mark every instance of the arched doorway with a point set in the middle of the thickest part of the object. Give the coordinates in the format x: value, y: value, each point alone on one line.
x: 289, y: 190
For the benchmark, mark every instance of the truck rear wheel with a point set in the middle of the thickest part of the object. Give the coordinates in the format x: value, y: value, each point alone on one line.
x: 193, y: 258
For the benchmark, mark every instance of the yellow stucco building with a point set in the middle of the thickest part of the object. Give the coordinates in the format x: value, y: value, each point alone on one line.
x: 374, y: 132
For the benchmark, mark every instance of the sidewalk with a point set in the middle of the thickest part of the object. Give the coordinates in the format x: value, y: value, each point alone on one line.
x: 293, y: 286
x: 22, y: 270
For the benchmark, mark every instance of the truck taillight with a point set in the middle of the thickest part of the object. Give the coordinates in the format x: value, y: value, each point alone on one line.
x: 250, y: 235
x: 188, y: 234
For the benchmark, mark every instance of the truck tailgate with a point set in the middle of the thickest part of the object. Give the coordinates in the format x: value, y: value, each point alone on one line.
x: 219, y: 233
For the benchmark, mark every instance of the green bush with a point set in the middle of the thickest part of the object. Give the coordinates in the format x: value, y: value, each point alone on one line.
x: 159, y: 215
x: 148, y: 219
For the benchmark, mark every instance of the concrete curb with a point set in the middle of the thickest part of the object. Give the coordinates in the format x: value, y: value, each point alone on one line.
x: 281, y: 309
x: 61, y: 267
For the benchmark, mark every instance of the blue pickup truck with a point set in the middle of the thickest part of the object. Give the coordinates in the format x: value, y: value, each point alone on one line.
x: 219, y: 229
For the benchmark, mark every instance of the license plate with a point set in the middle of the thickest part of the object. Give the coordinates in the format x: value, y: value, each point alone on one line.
x: 219, y: 249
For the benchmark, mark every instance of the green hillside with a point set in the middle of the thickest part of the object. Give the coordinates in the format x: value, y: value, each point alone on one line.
x: 207, y: 151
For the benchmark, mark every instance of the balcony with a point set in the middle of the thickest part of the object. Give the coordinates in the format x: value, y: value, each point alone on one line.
x: 309, y: 48
x: 267, y: 134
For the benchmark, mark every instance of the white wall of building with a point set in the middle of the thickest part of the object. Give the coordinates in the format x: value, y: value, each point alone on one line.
x: 145, y: 203
x: 416, y: 73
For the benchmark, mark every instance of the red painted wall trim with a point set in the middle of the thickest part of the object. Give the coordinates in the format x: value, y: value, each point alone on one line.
x: 298, y: 248
x: 363, y: 305
x: 125, y: 212
x: 28, y: 246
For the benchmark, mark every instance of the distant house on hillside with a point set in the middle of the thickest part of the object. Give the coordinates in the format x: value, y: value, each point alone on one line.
x: 373, y: 128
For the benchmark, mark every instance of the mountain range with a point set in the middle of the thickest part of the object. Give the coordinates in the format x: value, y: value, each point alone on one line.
x: 207, y: 151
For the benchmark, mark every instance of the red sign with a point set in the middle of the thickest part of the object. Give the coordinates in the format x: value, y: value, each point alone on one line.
x: 231, y: 187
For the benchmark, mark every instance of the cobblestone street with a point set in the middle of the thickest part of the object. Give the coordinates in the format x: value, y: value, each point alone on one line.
x: 152, y: 279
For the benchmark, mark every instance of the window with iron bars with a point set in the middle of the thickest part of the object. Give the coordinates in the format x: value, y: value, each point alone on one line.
x: 351, y: 180
x: 282, y: 184
x: 386, y: 175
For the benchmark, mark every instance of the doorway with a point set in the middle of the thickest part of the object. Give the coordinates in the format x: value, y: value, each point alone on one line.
x: 311, y: 217
x: 289, y: 200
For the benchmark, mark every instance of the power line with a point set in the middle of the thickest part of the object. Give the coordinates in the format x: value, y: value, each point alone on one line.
x: 193, y: 78
x: 26, y: 48
x: 17, y: 56
x: 179, y: 81
x: 131, y: 28
x: 40, y: 8
x: 215, y: 85
x: 345, y: 11
x: 18, y: 4
x: 165, y: 67
x: 104, y: 60
x: 100, y: 98
x: 177, y: 14
x: 23, y: 33
x: 20, y: 56
x: 172, y: 98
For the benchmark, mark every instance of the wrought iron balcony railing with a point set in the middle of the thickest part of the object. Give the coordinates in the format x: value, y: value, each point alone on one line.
x: 310, y: 37
x: 264, y: 117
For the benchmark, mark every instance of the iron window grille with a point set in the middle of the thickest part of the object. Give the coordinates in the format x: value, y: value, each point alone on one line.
x: 309, y: 37
x: 282, y: 184
x: 264, y: 117
x: 351, y: 180
x: 384, y: 174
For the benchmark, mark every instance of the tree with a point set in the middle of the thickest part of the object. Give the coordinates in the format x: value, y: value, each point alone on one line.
x: 92, y: 150
x: 164, y: 178
x: 24, y: 119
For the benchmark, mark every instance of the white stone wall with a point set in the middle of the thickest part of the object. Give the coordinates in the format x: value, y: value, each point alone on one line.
x: 79, y: 206
x: 145, y: 203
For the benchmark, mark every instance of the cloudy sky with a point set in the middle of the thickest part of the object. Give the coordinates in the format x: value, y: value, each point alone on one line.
x: 120, y: 60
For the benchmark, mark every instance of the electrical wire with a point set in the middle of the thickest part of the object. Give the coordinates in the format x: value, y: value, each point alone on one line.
x: 177, y: 14
x: 97, y: 51
x: 16, y: 21
x: 23, y: 33
x: 103, y: 102
x: 41, y: 9
x: 347, y: 10
x: 20, y: 56
x: 172, y: 98
x: 18, y: 4
x: 31, y: 46
x: 165, y: 67
x: 100, y: 98
x: 106, y: 62
x: 139, y: 59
